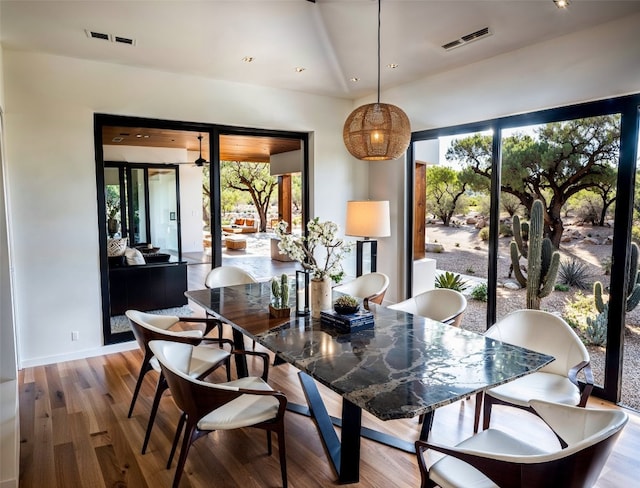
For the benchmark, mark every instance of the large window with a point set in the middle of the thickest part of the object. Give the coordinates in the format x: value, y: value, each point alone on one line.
x: 579, y: 162
x: 451, y: 218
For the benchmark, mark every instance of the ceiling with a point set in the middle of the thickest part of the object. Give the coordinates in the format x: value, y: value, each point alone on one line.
x: 333, y: 40
x: 256, y: 149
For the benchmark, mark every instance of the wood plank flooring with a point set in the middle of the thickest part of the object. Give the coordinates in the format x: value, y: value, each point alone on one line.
x: 75, y: 433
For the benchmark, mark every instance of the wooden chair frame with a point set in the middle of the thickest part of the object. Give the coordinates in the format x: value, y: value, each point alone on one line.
x: 196, y: 400
x: 144, y: 336
x: 566, y: 468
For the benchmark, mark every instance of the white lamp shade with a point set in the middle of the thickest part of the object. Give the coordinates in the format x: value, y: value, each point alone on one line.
x: 368, y: 219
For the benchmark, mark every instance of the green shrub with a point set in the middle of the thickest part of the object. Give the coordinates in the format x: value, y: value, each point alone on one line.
x: 561, y: 287
x: 451, y: 281
x: 480, y: 292
x: 577, y: 311
x: 574, y: 273
x: 506, y: 230
x: 484, y: 234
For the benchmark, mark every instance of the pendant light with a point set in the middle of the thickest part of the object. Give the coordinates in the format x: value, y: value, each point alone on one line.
x: 377, y: 131
x: 200, y: 161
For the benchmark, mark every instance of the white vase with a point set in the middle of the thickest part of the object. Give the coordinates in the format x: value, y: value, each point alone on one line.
x: 320, y: 296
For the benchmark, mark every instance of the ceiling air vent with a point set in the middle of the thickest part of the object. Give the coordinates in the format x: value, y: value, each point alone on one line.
x: 124, y: 40
x: 474, y: 36
x: 97, y: 35
x: 109, y: 37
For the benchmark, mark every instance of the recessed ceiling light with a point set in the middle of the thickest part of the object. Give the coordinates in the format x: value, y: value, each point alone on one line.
x: 138, y: 136
x: 392, y: 65
x: 248, y: 59
x: 354, y: 79
x: 561, y: 3
x: 300, y: 69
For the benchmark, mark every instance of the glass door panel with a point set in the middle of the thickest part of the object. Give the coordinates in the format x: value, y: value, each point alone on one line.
x: 631, y: 345
x: 571, y: 167
x: 163, y: 210
x: 451, y: 219
x: 138, y: 210
x: 113, y: 202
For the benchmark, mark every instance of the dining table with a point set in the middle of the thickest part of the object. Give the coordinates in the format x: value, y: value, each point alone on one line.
x: 401, y: 366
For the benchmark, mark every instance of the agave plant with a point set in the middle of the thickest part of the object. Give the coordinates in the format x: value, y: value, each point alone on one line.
x: 451, y: 281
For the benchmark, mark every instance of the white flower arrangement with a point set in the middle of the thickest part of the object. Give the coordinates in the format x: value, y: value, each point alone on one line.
x: 303, y: 249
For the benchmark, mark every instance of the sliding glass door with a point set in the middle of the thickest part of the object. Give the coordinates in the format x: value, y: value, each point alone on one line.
x: 580, y: 162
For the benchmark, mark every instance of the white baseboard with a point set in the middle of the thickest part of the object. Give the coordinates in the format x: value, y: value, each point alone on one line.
x: 87, y: 353
x: 9, y: 483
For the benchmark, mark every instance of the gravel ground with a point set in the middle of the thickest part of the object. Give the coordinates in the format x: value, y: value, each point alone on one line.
x: 466, y: 254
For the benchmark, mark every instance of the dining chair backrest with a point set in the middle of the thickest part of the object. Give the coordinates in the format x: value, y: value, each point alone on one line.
x: 174, y: 359
x: 369, y: 287
x: 441, y: 304
x: 542, y: 332
x: 147, y: 327
x: 505, y: 460
x: 228, y: 276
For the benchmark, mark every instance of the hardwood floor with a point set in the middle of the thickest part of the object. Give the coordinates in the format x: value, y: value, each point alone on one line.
x: 75, y: 433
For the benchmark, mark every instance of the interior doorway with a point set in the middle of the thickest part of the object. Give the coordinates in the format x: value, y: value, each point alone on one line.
x: 198, y: 151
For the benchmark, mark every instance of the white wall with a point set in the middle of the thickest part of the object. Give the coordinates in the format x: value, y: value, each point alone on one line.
x: 9, y: 418
x: 50, y: 105
x: 598, y: 63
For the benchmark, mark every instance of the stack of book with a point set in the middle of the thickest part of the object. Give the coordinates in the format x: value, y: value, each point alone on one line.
x: 363, y: 319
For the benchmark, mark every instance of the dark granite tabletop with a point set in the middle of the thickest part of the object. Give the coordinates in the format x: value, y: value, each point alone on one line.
x: 403, y: 366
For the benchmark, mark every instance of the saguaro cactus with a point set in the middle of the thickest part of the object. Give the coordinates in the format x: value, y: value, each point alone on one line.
x: 521, y: 235
x: 632, y: 288
x: 543, y: 260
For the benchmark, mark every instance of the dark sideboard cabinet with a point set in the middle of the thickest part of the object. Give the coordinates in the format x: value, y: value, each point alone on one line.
x: 147, y: 287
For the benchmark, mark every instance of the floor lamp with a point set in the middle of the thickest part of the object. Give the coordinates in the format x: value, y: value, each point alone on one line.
x: 367, y: 219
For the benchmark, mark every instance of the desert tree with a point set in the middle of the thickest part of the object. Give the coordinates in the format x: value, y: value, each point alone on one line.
x: 253, y: 178
x: 555, y: 162
x: 446, y: 188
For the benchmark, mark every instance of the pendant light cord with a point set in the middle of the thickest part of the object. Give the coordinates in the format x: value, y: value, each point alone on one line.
x: 379, y: 1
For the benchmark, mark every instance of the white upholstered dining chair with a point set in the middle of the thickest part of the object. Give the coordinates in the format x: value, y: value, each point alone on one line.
x: 557, y: 382
x: 493, y: 458
x: 227, y: 276
x: 147, y: 327
x: 207, y: 407
x: 370, y: 287
x: 441, y: 304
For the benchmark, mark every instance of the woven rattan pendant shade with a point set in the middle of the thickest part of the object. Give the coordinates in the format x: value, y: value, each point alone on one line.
x: 377, y: 132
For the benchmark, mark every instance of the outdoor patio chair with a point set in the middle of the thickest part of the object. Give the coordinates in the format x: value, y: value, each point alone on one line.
x: 441, y: 304
x: 494, y: 458
x: 557, y: 382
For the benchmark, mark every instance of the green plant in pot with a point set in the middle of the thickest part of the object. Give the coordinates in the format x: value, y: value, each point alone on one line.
x: 280, y: 291
x: 346, y: 305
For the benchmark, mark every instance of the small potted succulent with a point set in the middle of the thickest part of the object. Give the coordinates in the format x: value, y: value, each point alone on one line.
x: 346, y: 305
x: 280, y: 290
